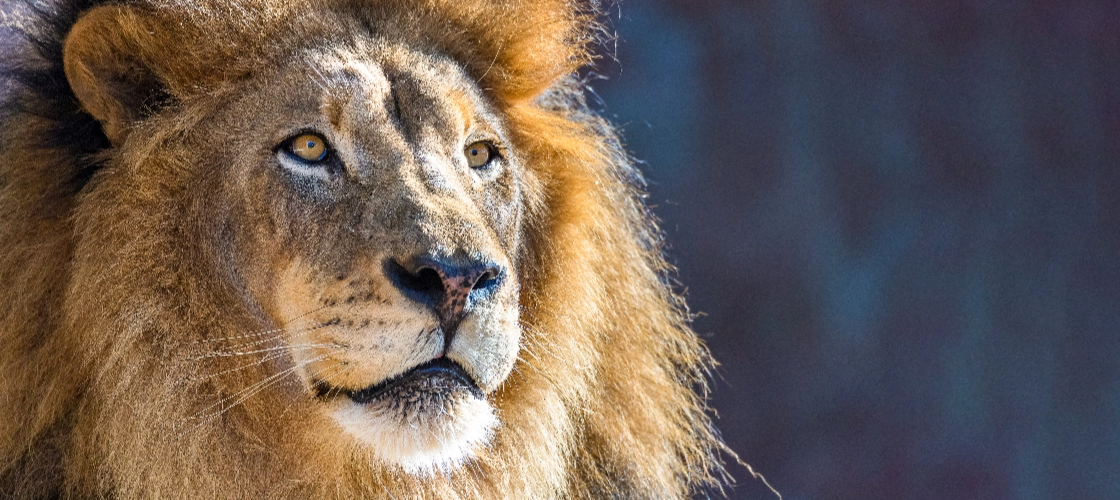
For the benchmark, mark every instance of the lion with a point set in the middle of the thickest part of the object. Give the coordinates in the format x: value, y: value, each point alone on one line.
x: 332, y: 249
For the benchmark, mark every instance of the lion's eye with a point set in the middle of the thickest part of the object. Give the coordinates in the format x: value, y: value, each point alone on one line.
x: 479, y: 154
x: 308, y: 147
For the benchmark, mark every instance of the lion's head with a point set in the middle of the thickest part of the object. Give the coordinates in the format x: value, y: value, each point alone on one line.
x: 345, y: 248
x: 365, y: 213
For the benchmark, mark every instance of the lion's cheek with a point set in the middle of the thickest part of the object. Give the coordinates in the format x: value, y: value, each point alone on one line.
x: 356, y: 359
x: 486, y: 346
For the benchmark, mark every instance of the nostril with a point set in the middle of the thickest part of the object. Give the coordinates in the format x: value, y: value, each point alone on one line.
x: 424, y: 283
x: 487, y: 280
x: 427, y: 280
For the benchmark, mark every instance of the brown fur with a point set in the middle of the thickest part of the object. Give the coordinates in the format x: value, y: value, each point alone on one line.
x: 112, y: 283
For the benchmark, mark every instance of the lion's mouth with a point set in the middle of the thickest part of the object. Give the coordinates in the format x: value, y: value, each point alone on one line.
x: 440, y: 377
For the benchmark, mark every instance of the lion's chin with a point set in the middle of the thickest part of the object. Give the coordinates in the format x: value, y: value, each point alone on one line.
x: 430, y: 420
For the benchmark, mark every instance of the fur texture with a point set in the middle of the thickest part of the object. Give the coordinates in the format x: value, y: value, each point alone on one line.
x: 178, y: 292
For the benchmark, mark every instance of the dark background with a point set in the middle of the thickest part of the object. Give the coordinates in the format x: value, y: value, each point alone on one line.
x: 899, y: 221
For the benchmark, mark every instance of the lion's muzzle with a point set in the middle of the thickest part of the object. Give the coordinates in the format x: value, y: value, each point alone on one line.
x: 448, y: 286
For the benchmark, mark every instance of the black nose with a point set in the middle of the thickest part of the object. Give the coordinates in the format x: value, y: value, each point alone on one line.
x: 448, y: 286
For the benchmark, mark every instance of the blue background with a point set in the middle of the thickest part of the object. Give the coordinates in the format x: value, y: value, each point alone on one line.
x: 901, y: 224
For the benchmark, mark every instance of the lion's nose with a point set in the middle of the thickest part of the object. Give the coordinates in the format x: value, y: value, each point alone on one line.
x: 448, y: 286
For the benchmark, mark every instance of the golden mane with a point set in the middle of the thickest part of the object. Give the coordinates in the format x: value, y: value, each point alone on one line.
x: 607, y: 400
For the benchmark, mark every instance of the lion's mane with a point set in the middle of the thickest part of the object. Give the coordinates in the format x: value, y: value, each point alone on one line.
x: 607, y: 401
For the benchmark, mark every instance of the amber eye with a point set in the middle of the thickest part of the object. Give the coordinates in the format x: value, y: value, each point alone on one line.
x: 479, y: 154
x: 309, y: 147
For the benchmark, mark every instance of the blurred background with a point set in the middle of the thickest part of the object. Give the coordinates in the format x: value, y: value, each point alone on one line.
x: 900, y: 223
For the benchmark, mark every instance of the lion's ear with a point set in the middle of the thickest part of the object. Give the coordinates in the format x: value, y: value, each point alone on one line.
x: 111, y: 69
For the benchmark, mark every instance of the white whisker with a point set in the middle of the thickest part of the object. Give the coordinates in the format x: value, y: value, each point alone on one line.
x: 252, y: 390
x: 294, y: 347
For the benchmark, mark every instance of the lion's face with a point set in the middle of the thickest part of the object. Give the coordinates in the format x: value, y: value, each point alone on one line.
x: 325, y: 249
x: 374, y: 222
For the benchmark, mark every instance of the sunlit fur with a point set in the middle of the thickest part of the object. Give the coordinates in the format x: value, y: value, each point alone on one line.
x: 111, y: 295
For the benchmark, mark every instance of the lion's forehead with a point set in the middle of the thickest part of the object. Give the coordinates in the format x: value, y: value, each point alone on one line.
x: 431, y: 90
x: 399, y: 120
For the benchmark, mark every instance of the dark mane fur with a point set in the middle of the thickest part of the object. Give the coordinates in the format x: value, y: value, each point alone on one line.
x: 37, y: 86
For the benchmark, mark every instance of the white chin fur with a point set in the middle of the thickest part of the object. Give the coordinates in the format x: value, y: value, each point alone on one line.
x: 421, y: 444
